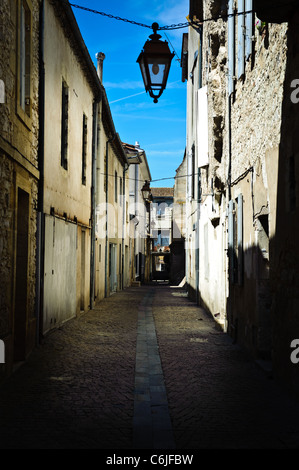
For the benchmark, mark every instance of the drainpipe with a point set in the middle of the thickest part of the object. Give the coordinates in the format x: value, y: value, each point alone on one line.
x: 93, y: 201
x: 107, y: 200
x: 230, y: 93
x: 137, y: 267
x: 126, y: 167
x: 197, y: 261
x: 40, y: 235
x: 95, y: 116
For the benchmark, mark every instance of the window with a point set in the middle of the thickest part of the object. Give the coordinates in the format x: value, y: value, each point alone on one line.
x: 191, y: 173
x: 2, y: 92
x: 64, y: 124
x: 24, y: 61
x: 292, y: 183
x: 115, y: 185
x: 263, y: 266
x: 235, y: 240
x: 243, y: 16
x: 161, y: 210
x: 84, y: 149
x: 241, y: 38
x: 196, y: 9
x: 231, y: 47
x: 249, y: 27
x: 120, y: 190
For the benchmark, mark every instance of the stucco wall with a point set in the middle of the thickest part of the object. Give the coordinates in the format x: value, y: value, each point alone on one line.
x: 63, y: 188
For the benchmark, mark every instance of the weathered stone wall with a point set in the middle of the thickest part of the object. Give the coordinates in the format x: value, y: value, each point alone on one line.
x: 6, y: 245
x: 255, y: 136
x: 256, y: 112
x: 18, y: 169
x: 244, y: 133
x: 12, y: 129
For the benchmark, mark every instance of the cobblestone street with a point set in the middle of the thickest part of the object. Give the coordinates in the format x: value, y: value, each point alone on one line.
x: 146, y: 368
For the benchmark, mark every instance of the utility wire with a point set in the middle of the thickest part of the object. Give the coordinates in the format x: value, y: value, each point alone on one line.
x: 152, y: 181
x: 161, y: 28
x: 197, y: 23
x: 109, y: 16
x: 236, y: 181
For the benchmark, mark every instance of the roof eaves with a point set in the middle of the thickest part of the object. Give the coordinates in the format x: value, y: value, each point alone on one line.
x: 65, y: 12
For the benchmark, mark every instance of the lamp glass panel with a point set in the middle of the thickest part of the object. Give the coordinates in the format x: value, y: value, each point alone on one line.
x: 157, y: 69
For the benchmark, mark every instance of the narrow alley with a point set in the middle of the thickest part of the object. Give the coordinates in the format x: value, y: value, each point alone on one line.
x: 145, y: 369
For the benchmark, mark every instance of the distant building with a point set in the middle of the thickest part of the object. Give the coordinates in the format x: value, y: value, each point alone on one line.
x: 112, y: 187
x: 161, y: 222
x: 139, y: 174
x: 177, y: 246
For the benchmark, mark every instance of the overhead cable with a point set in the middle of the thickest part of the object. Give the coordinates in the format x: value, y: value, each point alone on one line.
x: 161, y: 28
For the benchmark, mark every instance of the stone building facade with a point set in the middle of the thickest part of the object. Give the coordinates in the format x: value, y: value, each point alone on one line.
x: 71, y: 93
x: 139, y: 213
x: 162, y: 232
x: 177, y: 246
x: 62, y: 163
x: 112, y: 240
x: 241, y: 156
x: 19, y: 177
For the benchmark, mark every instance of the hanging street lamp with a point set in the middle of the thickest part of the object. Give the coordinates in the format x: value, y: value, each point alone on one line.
x: 146, y: 191
x: 154, y: 62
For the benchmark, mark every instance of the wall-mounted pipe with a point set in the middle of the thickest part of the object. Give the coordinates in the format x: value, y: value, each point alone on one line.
x: 108, y: 142
x: 126, y: 167
x: 197, y: 251
x: 93, y: 197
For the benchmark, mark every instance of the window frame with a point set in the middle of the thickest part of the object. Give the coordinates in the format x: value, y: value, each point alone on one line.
x: 64, y: 124
x: 24, y: 64
x: 84, y: 148
x: 115, y: 187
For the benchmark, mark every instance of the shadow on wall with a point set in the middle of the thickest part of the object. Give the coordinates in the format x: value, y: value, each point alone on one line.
x: 285, y: 248
x: 249, y: 304
x: 263, y: 312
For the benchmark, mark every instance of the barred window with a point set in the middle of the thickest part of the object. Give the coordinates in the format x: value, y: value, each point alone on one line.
x: 64, y: 124
x: 84, y: 149
x: 23, y: 76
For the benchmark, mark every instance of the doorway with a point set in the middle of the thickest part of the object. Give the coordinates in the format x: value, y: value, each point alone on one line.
x: 21, y: 285
x: 112, y: 267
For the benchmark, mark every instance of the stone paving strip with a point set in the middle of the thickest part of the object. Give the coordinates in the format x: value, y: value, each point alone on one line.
x: 152, y: 427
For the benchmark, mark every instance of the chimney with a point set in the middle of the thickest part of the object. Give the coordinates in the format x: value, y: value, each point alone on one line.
x: 137, y: 145
x: 100, y: 58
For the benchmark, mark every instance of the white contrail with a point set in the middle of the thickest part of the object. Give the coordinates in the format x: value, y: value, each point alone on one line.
x: 141, y: 93
x: 126, y: 97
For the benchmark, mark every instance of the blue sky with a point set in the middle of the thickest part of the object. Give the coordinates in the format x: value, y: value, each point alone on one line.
x: 159, y: 128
